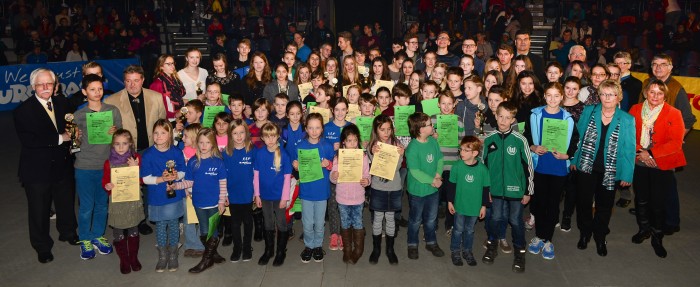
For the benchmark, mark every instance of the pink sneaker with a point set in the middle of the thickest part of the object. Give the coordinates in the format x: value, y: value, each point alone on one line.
x: 333, y: 245
x: 340, y: 243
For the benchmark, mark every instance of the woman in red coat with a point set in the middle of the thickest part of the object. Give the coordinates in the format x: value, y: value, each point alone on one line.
x: 660, y: 132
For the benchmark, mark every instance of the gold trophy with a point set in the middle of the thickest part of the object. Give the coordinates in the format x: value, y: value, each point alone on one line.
x: 183, y: 120
x: 170, y: 165
x: 72, y: 128
x: 481, y: 115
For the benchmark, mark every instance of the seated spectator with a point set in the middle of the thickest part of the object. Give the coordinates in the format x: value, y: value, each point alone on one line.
x: 76, y: 54
x: 36, y: 56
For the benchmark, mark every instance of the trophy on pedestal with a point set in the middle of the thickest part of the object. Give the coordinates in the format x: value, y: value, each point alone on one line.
x: 170, y: 165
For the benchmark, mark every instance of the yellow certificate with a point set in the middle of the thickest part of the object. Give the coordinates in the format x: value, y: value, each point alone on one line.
x: 350, y: 165
x: 191, y: 216
x: 227, y: 212
x: 382, y: 83
x: 325, y: 113
x: 304, y: 90
x: 345, y: 90
x: 385, y: 161
x: 353, y: 112
x: 126, y: 184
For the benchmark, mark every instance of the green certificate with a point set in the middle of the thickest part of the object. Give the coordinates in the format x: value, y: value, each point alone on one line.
x: 364, y: 124
x: 309, y: 165
x: 209, y: 114
x: 555, y: 134
x: 401, y: 114
x: 430, y: 107
x: 447, y: 130
x: 98, y: 125
x: 521, y: 127
x: 224, y: 99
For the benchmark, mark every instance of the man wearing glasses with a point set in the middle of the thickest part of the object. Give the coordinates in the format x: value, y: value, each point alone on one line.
x: 45, y: 167
x: 411, y: 43
x: 469, y: 48
x: 443, y: 53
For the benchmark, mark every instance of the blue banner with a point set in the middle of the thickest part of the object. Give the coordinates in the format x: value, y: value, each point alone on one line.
x: 15, y: 87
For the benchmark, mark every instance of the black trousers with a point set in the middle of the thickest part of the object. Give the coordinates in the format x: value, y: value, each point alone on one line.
x: 546, y: 203
x: 241, y: 214
x: 570, y: 194
x: 590, y: 187
x: 651, y: 188
x: 39, y: 197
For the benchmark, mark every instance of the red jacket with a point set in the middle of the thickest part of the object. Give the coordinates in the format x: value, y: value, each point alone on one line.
x: 666, y: 138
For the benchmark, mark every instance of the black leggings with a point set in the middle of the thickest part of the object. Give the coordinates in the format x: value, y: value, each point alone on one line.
x: 241, y: 214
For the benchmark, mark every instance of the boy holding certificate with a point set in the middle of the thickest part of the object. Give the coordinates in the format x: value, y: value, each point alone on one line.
x: 449, y: 131
x: 98, y: 121
x: 550, y: 133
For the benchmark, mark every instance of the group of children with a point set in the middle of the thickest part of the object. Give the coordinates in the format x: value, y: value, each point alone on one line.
x: 288, y: 151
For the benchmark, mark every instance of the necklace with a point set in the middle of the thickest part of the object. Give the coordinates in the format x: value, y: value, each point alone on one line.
x: 607, y: 117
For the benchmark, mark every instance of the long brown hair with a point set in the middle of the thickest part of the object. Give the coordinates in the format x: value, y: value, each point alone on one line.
x: 266, y: 76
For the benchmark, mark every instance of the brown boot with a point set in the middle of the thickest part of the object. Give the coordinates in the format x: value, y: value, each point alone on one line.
x: 346, y: 235
x: 358, y: 241
x: 208, y: 256
x: 216, y: 257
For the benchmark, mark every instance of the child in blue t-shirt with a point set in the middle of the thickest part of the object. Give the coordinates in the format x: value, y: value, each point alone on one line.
x: 331, y: 132
x: 238, y: 159
x: 271, y: 181
x: 314, y: 192
x: 206, y: 175
x: 161, y: 163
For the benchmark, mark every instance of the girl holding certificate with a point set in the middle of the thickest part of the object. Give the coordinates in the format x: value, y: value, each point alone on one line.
x: 206, y: 175
x: 331, y: 132
x: 351, y: 197
x: 385, y: 195
x: 552, y: 141
x: 312, y: 159
x: 97, y: 121
x: 124, y: 217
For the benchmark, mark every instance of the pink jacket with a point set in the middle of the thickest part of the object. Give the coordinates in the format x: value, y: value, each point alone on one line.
x: 351, y: 193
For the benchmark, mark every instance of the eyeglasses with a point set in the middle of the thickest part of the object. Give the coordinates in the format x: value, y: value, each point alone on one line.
x: 45, y: 85
x: 578, y: 54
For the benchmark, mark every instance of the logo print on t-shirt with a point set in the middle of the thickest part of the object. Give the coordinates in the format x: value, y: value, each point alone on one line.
x: 212, y: 171
x: 512, y: 150
x: 429, y: 158
x: 469, y: 178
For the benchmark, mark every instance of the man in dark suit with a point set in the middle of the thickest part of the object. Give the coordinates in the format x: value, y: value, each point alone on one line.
x: 45, y: 166
x: 522, y: 47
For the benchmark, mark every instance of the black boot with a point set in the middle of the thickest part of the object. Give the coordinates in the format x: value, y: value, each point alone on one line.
x: 641, y: 236
x: 657, y: 243
x: 281, y: 254
x: 269, y: 247
x: 601, y: 247
x: 215, y: 256
x: 258, y: 223
x: 583, y: 242
x: 393, y: 260
x: 207, y: 258
x: 376, y: 249
x: 491, y: 252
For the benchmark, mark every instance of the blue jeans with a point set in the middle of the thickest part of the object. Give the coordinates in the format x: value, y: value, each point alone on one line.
x: 500, y: 232
x: 312, y: 217
x: 510, y: 211
x: 463, y: 224
x: 350, y: 216
x: 191, y: 234
x: 423, y: 210
x: 203, y: 217
x: 92, y: 213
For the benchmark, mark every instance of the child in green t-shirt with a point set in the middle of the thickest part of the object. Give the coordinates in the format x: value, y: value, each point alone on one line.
x: 424, y: 163
x: 469, y: 200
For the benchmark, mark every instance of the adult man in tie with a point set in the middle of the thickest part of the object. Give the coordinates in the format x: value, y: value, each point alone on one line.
x: 45, y: 166
x: 140, y: 108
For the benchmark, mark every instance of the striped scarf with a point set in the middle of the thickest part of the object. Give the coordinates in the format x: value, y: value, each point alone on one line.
x: 588, y: 153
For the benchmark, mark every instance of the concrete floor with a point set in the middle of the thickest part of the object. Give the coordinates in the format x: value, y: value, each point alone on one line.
x: 627, y: 264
